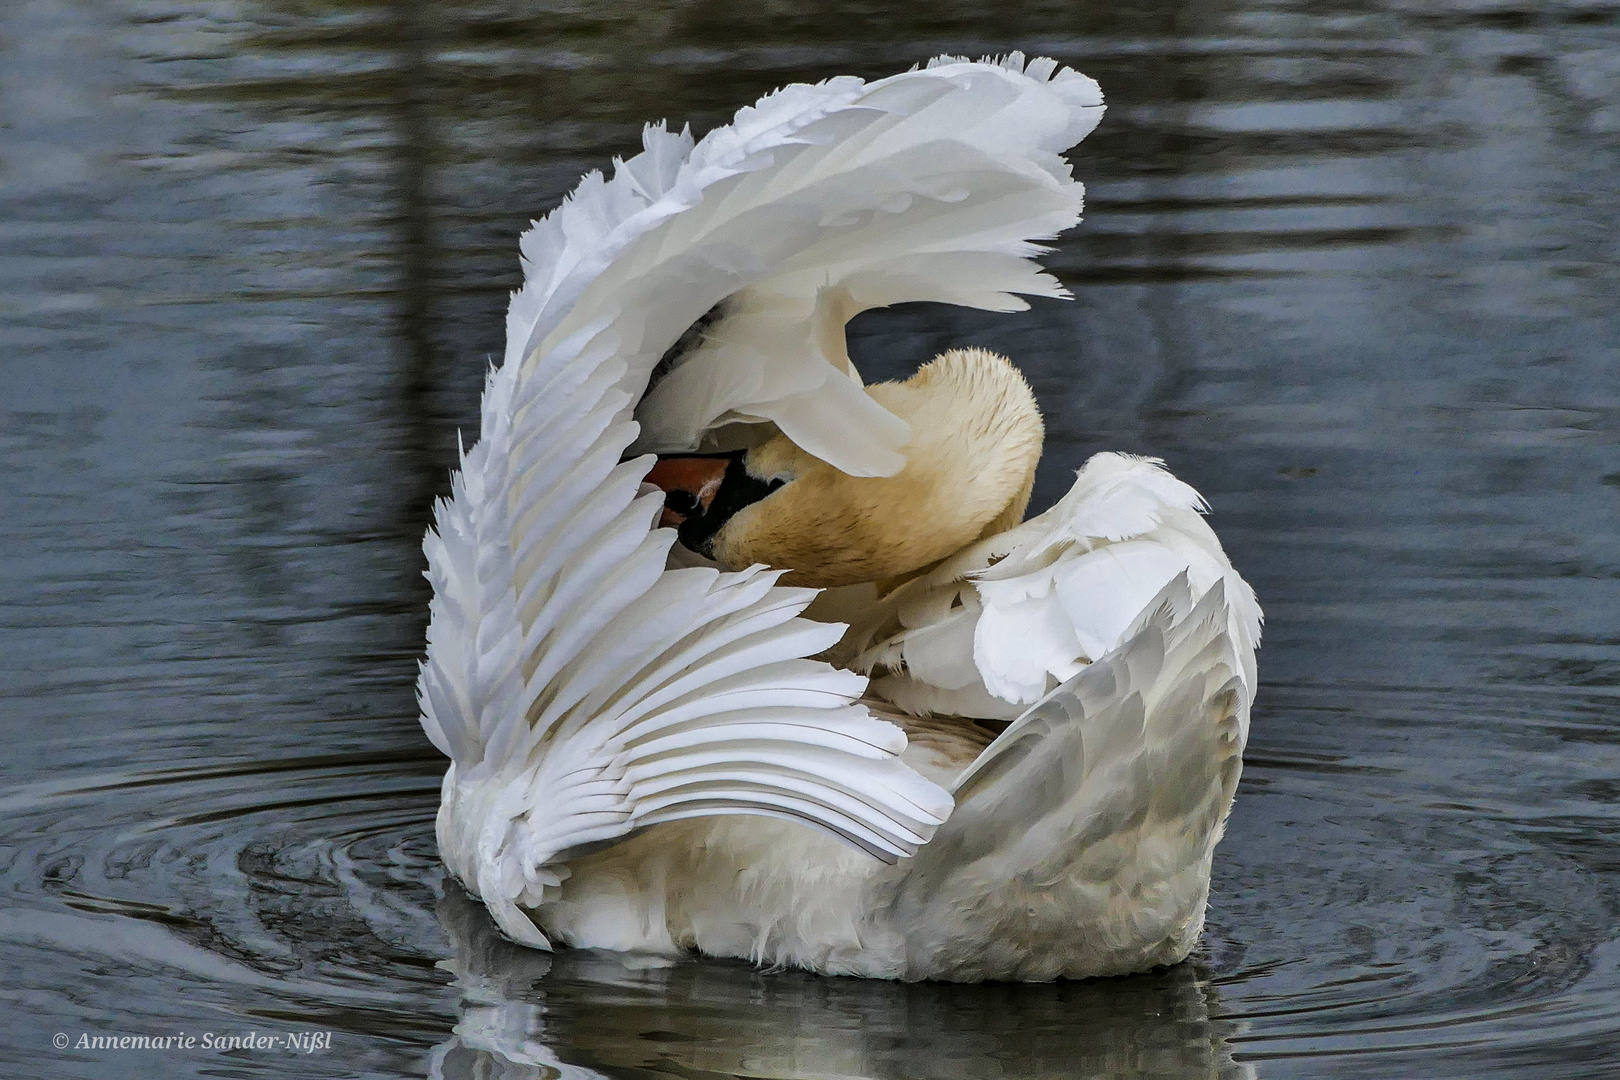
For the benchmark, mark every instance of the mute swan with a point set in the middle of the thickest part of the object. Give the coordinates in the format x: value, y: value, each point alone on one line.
x: 863, y: 718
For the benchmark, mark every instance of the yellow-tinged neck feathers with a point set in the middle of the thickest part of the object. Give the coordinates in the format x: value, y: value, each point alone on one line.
x: 970, y: 467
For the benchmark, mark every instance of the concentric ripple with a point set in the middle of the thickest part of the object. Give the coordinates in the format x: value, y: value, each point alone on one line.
x: 294, y: 897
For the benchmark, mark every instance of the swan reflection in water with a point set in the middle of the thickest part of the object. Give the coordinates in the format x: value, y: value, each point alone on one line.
x: 616, y: 1014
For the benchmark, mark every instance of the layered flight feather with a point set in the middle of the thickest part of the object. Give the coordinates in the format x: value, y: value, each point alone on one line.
x: 1098, y: 808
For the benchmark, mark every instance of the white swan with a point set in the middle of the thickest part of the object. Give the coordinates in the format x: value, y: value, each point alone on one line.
x: 654, y: 751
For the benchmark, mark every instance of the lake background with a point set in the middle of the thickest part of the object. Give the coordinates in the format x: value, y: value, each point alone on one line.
x: 1349, y: 267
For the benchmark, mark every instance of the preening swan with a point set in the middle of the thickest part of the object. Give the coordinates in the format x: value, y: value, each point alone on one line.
x: 733, y: 653
x: 969, y: 469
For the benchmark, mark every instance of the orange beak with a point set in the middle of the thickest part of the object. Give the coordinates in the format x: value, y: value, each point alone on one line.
x: 689, y: 484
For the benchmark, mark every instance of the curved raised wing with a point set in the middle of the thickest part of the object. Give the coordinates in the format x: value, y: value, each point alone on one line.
x: 994, y: 628
x: 583, y: 688
x: 929, y: 185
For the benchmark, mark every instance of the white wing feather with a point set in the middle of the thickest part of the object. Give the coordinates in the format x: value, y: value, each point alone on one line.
x: 1099, y: 807
x: 997, y: 626
x: 582, y: 687
x: 926, y: 186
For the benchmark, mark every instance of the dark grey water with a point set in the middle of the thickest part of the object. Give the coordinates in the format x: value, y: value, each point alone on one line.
x: 1349, y: 266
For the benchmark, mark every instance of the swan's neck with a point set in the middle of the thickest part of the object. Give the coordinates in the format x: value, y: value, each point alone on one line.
x: 970, y: 468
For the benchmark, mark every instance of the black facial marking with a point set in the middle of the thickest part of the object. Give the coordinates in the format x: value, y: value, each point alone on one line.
x: 736, y: 491
x: 682, y: 502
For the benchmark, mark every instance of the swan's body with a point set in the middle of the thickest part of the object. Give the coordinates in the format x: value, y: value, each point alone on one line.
x: 652, y: 748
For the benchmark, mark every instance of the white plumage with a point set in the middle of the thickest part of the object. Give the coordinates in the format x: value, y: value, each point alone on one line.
x: 992, y: 629
x: 650, y: 752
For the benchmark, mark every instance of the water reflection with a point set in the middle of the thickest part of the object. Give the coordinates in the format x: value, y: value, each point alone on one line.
x: 590, y: 1014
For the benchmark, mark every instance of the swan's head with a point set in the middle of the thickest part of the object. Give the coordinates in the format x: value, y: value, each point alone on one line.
x: 970, y: 466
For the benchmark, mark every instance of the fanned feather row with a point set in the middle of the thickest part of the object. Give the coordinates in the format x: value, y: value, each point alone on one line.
x: 607, y: 693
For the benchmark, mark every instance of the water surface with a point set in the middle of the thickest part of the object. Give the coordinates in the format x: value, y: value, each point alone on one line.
x: 1349, y: 267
